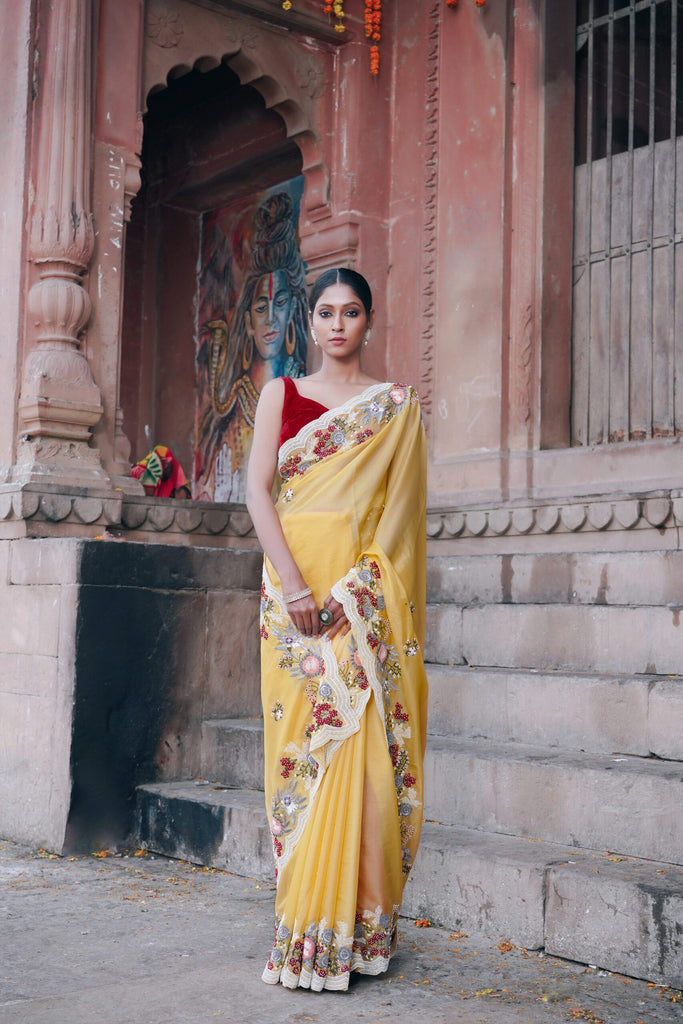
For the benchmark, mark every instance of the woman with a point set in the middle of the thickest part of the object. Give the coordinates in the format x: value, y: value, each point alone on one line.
x: 342, y: 622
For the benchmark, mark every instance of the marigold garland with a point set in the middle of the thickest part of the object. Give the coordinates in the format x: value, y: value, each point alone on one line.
x: 372, y: 21
x: 373, y: 31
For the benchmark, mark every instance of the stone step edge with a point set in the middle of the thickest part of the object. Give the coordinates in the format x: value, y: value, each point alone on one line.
x: 499, y: 885
x: 437, y: 668
x: 616, y: 761
x: 511, y: 849
x: 486, y: 750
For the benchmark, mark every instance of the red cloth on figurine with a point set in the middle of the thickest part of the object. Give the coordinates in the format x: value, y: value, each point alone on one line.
x: 297, y: 411
x: 162, y: 471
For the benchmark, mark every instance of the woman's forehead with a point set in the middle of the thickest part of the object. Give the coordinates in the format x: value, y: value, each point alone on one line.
x: 338, y: 295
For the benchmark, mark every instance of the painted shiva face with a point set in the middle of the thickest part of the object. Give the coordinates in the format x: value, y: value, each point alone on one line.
x: 269, y: 314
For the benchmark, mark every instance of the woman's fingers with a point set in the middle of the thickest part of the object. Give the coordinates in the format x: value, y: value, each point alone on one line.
x: 340, y: 622
x: 304, y: 615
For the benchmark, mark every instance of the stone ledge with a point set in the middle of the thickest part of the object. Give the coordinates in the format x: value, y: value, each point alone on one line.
x: 658, y: 511
x: 44, y: 510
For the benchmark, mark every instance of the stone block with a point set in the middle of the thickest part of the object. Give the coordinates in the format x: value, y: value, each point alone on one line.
x: 629, y: 805
x: 170, y: 567
x: 466, y: 580
x: 32, y: 675
x: 44, y: 561
x: 227, y: 829
x: 600, y: 714
x: 5, y: 550
x: 35, y: 787
x: 612, y: 578
x: 232, y: 681
x: 139, y: 664
x: 30, y: 619
x: 625, y: 917
x: 482, y: 884
x: 443, y: 634
x: 232, y: 752
x: 665, y: 719
x: 573, y: 638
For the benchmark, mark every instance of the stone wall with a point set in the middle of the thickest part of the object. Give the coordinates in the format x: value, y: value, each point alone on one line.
x: 112, y: 654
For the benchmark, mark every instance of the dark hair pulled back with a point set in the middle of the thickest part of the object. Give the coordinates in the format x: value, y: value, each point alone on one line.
x: 342, y: 275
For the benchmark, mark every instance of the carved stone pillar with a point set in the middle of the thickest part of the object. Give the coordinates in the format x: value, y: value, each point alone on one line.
x: 60, y: 402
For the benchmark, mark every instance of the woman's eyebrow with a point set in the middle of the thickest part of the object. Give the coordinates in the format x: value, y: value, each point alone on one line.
x: 346, y: 305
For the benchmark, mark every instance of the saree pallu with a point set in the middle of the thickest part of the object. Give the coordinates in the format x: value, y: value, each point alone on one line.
x: 345, y: 720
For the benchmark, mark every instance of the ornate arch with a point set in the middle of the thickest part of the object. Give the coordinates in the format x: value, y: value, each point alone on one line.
x: 291, y: 75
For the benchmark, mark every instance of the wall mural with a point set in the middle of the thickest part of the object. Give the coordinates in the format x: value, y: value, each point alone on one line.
x: 251, y: 327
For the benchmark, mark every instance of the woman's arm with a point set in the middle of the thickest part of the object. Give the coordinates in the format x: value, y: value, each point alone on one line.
x: 260, y: 477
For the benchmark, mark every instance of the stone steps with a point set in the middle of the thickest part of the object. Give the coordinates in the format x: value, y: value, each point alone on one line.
x: 554, y: 765
x: 614, y: 640
x: 206, y: 824
x: 636, y: 578
x: 618, y: 802
x: 534, y: 894
x: 603, y: 714
x: 629, y: 805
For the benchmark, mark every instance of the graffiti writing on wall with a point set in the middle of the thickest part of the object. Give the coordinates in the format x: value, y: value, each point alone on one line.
x: 251, y: 327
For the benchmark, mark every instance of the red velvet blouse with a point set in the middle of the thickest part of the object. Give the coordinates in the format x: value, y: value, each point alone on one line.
x: 297, y: 411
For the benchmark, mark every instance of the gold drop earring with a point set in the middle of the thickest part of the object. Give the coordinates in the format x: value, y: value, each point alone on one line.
x: 314, y: 336
x: 368, y: 335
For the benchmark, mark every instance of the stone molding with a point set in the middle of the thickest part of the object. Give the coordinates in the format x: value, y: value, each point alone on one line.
x: 46, y: 509
x: 43, y: 510
x: 658, y: 512
x: 430, y: 195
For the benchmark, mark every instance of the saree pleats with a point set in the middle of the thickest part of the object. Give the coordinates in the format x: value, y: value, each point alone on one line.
x: 345, y: 720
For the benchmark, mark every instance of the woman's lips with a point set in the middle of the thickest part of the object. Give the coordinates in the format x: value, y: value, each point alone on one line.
x: 270, y: 336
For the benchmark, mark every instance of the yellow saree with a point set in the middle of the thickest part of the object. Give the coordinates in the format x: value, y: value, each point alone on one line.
x: 345, y: 719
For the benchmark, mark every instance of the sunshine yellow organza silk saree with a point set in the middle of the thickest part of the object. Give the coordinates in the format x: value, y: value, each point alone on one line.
x: 345, y: 720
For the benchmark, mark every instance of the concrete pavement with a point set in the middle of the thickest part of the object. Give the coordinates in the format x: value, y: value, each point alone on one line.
x: 126, y: 939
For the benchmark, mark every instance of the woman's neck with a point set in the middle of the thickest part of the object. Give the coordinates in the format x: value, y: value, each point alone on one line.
x: 337, y: 372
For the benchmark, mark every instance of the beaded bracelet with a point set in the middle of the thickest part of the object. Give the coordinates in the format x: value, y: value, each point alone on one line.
x: 288, y: 598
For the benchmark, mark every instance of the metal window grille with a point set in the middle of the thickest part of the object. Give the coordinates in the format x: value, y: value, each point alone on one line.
x: 627, y: 333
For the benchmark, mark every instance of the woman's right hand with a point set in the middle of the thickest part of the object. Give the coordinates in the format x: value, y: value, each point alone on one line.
x: 304, y: 615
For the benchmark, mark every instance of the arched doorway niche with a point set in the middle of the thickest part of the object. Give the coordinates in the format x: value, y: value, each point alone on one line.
x: 290, y: 72
x: 211, y: 149
x: 289, y: 75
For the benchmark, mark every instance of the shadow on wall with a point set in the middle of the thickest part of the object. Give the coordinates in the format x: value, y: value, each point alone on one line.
x: 165, y: 637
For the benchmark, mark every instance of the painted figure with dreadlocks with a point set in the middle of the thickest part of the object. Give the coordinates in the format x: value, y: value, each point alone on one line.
x: 265, y: 338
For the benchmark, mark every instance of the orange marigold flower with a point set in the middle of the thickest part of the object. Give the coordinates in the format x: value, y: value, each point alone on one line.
x: 374, y: 60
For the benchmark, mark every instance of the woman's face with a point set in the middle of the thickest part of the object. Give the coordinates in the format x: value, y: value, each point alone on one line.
x: 340, y: 321
x: 269, y: 314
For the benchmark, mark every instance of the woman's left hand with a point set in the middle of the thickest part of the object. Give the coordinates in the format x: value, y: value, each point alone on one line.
x: 340, y: 623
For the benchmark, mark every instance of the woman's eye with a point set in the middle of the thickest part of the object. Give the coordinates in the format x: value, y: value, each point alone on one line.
x: 324, y: 313
x: 260, y: 307
x: 351, y: 312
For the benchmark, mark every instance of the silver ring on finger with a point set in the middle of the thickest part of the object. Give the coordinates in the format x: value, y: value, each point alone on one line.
x: 326, y: 617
